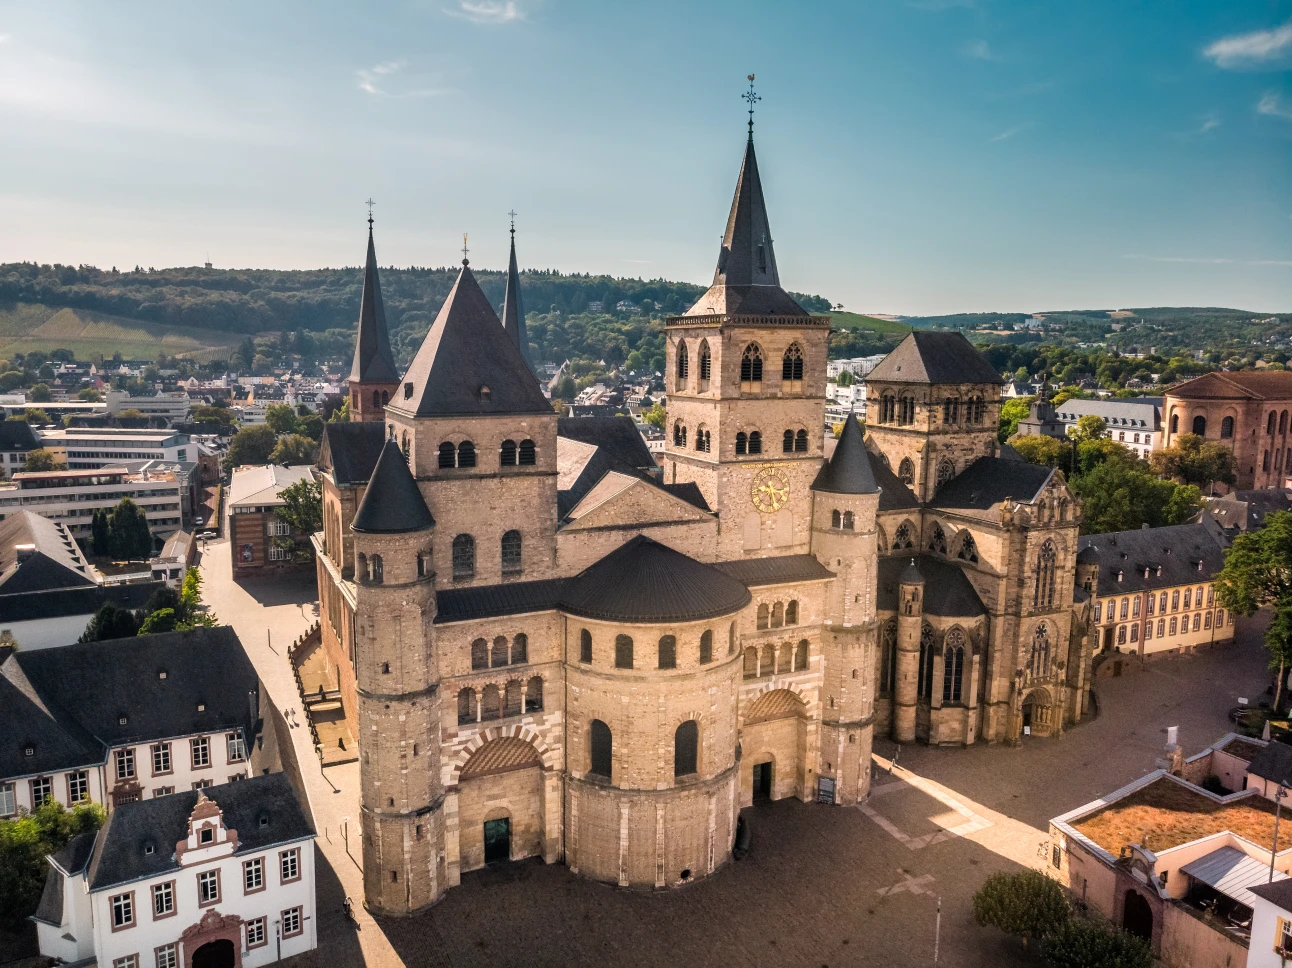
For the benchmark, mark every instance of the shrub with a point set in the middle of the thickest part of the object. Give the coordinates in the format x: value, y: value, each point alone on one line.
x: 1087, y: 944
x: 1027, y: 904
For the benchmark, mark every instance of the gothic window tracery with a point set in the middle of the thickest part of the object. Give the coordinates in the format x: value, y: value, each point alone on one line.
x: 906, y: 471
x: 683, y: 364
x: 903, y: 537
x: 938, y: 540
x: 751, y: 367
x: 1043, y: 592
x: 946, y: 471
x: 706, y: 365
x: 1038, y: 660
x: 953, y: 658
x: 968, y: 549
x: 928, y: 646
x: 792, y: 365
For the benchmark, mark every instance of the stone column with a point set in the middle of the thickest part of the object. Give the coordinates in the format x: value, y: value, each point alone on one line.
x: 910, y: 619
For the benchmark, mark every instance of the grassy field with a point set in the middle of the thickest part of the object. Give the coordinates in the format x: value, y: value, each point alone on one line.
x: 25, y: 327
x: 857, y: 321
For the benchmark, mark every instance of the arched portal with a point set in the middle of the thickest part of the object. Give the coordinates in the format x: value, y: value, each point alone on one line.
x: 1038, y: 713
x: 772, y: 739
x: 1137, y: 916
x: 501, y: 803
x: 220, y: 953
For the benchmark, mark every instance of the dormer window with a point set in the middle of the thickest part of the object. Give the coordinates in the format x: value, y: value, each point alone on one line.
x: 201, y: 707
x: 408, y: 391
x: 122, y: 720
x: 1120, y: 574
x: 148, y: 848
x: 486, y: 395
x: 161, y: 674
x: 1159, y: 571
x: 264, y: 820
x: 206, y: 836
x: 29, y: 751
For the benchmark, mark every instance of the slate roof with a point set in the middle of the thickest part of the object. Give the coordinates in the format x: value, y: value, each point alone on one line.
x: 491, y: 601
x: 393, y: 503
x: 947, y: 591
x: 55, y: 561
x: 1139, y: 413
x: 351, y: 450
x: 84, y: 600
x: 781, y: 570
x: 1177, y: 549
x: 893, y: 494
x: 30, y: 719
x: 17, y: 436
x: 513, y: 309
x: 618, y: 436
x: 1273, y: 762
x: 1246, y: 510
x: 1280, y: 893
x: 70, y: 860
x: 746, y: 282
x: 1243, y: 385
x: 689, y: 492
x: 373, y: 361
x: 645, y: 581
x: 119, y: 853
x: 984, y: 485
x: 466, y: 351
x: 848, y: 470
x: 937, y: 358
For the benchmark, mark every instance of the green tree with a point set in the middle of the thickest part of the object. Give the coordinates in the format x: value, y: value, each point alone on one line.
x: 281, y: 417
x: 1119, y: 495
x: 99, y: 531
x: 110, y: 622
x: 192, y: 612
x: 1089, y: 427
x: 656, y: 416
x: 34, y: 415
x: 12, y: 380
x: 1022, y: 375
x: 1086, y: 944
x: 41, y: 459
x: 1258, y: 574
x: 302, y: 506
x: 90, y: 395
x: 129, y: 537
x: 215, y: 415
x: 1027, y: 904
x: 565, y: 389
x: 1195, y: 461
x: 40, y: 393
x: 1040, y: 449
x: 1011, y: 412
x: 342, y: 413
x: 25, y: 842
x: 250, y: 445
x: 845, y: 378
x: 311, y: 426
x: 162, y: 620
x: 293, y: 449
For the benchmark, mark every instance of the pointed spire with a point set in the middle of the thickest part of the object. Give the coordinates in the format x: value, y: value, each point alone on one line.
x: 392, y: 503
x: 513, y: 309
x: 848, y: 471
x: 373, y: 361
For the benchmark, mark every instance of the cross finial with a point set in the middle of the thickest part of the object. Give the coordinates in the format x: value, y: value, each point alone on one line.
x: 464, y: 250
x: 370, y: 203
x: 512, y: 213
x: 753, y: 99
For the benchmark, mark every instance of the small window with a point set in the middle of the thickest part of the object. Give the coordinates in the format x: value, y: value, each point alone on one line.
x: 466, y: 454
x: 792, y: 612
x: 668, y: 652
x: 585, y: 645
x: 801, y: 442
x: 498, y: 657
x: 528, y: 453
x: 479, y: 654
x: 507, y: 453
x: 408, y: 391
x: 464, y: 557
x: 520, y: 649
x: 706, y: 646
x: 511, y: 553
x: 686, y: 740
x: 623, y: 652
x: 601, y: 749
x: 534, y: 695
x: 447, y: 455
x: 755, y: 442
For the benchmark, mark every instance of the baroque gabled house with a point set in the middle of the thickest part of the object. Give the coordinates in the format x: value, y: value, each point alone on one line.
x: 547, y: 645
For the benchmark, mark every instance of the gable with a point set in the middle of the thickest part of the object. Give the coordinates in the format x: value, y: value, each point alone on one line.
x: 619, y: 501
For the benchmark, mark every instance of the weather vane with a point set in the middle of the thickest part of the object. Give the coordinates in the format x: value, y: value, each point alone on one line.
x: 370, y: 203
x: 512, y: 213
x: 464, y: 248
x: 753, y: 99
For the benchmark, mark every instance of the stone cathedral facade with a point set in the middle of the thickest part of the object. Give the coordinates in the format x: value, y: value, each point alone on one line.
x: 548, y: 645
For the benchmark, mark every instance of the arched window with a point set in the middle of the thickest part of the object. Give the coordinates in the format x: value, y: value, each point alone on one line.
x: 466, y: 706
x: 507, y: 453
x: 888, y: 659
x: 847, y: 521
x: 706, y: 365
x: 1043, y: 593
x: 1175, y: 423
x: 600, y: 748
x: 702, y: 439
x: 801, y: 656
x: 951, y: 410
x: 953, y: 660
x: 751, y: 663
x: 792, y: 365
x: 1227, y: 428
x: 906, y: 471
x: 888, y: 409
x: 479, y: 654
x: 787, y: 442
x: 801, y: 442
x: 755, y: 442
x: 498, y: 656
x: 376, y: 398
x: 785, y: 663
x: 534, y: 695
x: 686, y: 740
x: 585, y: 645
x: 938, y: 541
x: 836, y: 520
x: 902, y: 537
x: 464, y: 556
x: 679, y: 434
x: 742, y: 443
x: 466, y: 454
x: 1200, y: 425
x: 907, y: 411
x: 623, y: 652
x: 1265, y: 461
x: 763, y: 614
x: 706, y: 646
x: 946, y: 471
x: 751, y: 367
x: 490, y: 703
x: 376, y: 573
x: 448, y: 455
x: 511, y: 553
x: 1038, y: 662
x: 968, y: 550
x: 421, y: 565
x: 520, y: 649
x: 768, y: 664
x: 683, y: 364
x: 881, y: 540
x: 668, y: 652
x: 511, y: 704
x: 792, y: 612
x: 924, y: 681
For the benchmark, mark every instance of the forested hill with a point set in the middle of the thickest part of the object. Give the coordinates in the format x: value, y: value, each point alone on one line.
x: 324, y: 303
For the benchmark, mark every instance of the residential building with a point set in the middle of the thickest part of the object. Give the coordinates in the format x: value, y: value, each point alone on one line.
x: 221, y: 876
x: 178, y: 554
x: 129, y: 719
x: 1136, y: 424
x: 172, y: 407
x: 858, y: 366
x: 90, y: 448
x: 1245, y: 411
x: 1153, y: 588
x: 1270, y: 942
x: 1241, y: 511
x: 851, y: 397
x: 262, y: 542
x: 72, y: 496
x: 17, y: 439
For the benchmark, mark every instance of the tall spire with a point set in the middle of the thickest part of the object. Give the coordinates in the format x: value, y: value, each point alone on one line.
x: 373, y: 361
x: 513, y: 310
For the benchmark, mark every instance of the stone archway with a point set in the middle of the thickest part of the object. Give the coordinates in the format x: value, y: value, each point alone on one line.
x: 221, y: 953
x: 1137, y: 916
x: 1037, y: 713
x: 214, y: 942
x: 772, y: 738
x: 501, y: 780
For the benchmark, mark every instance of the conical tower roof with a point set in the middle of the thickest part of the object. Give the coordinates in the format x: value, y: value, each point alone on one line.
x: 373, y: 361
x: 513, y: 310
x: 393, y: 503
x: 468, y: 364
x: 848, y: 471
x: 911, y: 576
x: 746, y: 281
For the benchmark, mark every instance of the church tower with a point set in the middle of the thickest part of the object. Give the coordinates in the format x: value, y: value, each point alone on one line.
x: 373, y: 376
x: 397, y: 683
x: 513, y: 310
x: 746, y: 390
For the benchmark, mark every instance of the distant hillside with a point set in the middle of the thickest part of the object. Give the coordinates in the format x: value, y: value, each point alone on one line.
x: 25, y: 327
x: 856, y: 321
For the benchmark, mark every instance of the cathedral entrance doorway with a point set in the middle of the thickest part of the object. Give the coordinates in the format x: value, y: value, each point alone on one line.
x: 774, y: 737
x: 1036, y: 714
x: 1137, y: 916
x: 502, y: 814
x: 762, y: 781
x: 497, y: 840
x: 215, y: 954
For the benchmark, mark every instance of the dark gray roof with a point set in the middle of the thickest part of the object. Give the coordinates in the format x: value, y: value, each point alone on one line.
x: 618, y: 436
x: 100, y: 683
x: 1279, y: 892
x: 1246, y: 510
x: 120, y: 855
x: 63, y: 602
x: 752, y: 572
x: 75, y: 854
x: 1009, y: 453
x: 1274, y: 762
x: 893, y: 494
x: 1087, y: 556
x: 746, y: 282
x: 947, y: 591
x: 50, y: 909
x: 689, y: 492
x: 392, y: 504
x: 848, y: 470
x: 467, y: 352
x: 491, y: 601
x: 937, y: 358
x: 1136, y: 413
x: 54, y: 562
x: 17, y: 435
x: 351, y: 450
x: 513, y: 309
x: 911, y: 575
x: 986, y: 483
x: 1176, y: 549
x: 31, y: 720
x: 373, y: 361
x: 645, y: 581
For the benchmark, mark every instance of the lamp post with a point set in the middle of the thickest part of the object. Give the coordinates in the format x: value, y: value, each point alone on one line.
x: 1278, y: 810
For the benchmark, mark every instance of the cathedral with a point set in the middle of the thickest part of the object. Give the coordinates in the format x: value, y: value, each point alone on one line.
x: 548, y: 643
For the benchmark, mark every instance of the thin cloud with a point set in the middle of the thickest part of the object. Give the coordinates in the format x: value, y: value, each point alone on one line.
x: 1272, y: 104
x: 1252, y: 50
x: 490, y: 12
x: 1193, y: 260
x: 1208, y: 122
x: 373, y: 80
x: 978, y: 50
x: 1006, y: 135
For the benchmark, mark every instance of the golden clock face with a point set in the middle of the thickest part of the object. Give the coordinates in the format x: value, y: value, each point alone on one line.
x: 770, y: 490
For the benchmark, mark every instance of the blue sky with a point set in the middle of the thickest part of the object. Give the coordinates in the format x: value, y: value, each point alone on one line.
x: 918, y: 156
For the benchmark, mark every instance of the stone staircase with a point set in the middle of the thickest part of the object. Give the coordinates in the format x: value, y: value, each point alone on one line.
x: 321, y: 699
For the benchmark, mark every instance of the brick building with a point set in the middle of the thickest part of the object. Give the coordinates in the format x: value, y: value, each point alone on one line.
x: 263, y: 544
x: 547, y: 647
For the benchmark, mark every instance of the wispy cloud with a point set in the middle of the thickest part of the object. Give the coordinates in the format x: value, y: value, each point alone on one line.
x: 488, y: 11
x: 1007, y: 134
x: 375, y: 80
x: 1257, y: 49
x: 1208, y: 122
x: 1194, y: 260
x: 978, y: 50
x: 1272, y: 104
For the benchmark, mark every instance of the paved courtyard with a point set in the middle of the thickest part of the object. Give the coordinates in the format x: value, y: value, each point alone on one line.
x: 822, y: 885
